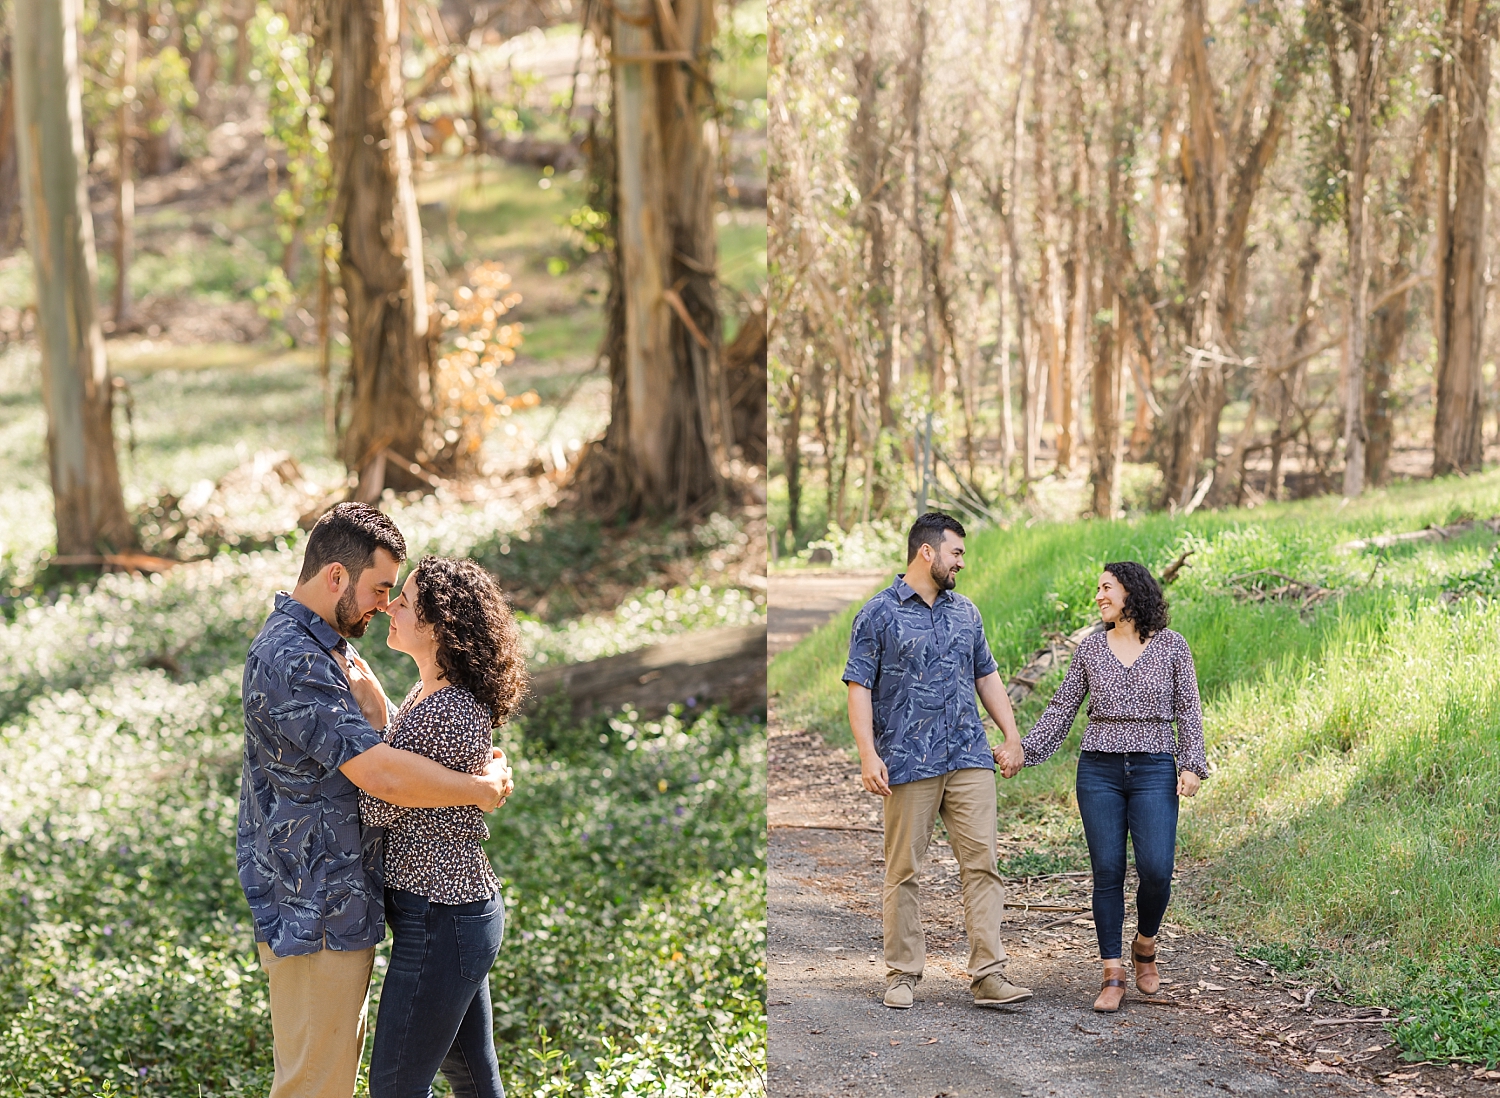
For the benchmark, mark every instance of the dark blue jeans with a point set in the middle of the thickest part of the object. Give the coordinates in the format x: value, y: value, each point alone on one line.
x: 435, y: 1006
x: 1135, y: 793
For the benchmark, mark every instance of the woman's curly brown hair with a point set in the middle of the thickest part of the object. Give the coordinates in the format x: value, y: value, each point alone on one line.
x: 479, y: 646
x: 1144, y: 602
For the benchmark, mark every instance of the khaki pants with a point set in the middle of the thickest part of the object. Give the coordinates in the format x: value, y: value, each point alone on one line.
x: 965, y: 799
x: 317, y: 1020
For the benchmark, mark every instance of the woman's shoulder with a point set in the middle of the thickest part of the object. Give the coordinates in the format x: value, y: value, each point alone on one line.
x: 1094, y: 642
x: 460, y: 702
x: 1174, y: 640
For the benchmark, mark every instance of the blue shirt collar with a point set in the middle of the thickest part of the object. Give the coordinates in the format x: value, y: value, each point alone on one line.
x: 322, y: 632
x: 905, y: 591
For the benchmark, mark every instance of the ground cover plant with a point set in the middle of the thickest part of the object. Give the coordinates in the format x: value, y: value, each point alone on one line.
x: 631, y: 857
x: 1351, y: 819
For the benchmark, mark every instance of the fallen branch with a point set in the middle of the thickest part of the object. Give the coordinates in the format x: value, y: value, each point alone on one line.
x: 827, y: 827
x: 1170, y: 573
x: 1350, y: 1021
x: 1427, y: 533
x: 1045, y: 660
x: 1307, y: 593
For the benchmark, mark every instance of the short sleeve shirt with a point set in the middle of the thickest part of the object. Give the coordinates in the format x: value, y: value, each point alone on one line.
x: 920, y: 664
x: 311, y: 877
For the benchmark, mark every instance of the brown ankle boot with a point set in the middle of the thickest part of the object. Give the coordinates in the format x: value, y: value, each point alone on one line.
x: 1111, y: 991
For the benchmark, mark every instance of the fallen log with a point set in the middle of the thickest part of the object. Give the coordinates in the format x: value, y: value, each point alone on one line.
x: 1060, y: 648
x: 1427, y: 533
x: 129, y: 561
x: 727, y: 666
x: 1044, y: 661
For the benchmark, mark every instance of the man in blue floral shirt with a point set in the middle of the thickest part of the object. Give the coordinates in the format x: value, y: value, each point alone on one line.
x: 313, y: 714
x: 917, y: 656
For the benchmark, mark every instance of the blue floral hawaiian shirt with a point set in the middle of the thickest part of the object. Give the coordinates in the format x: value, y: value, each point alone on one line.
x: 311, y: 878
x: 920, y: 664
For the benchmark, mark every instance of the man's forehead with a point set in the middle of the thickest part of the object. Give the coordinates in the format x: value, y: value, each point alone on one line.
x: 952, y: 540
x: 383, y: 569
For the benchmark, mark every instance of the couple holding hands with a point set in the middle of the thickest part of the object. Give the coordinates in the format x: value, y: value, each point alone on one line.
x: 917, y: 657
x: 355, y: 814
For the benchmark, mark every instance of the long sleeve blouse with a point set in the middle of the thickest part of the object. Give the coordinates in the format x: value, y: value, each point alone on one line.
x: 438, y: 852
x: 1129, y: 708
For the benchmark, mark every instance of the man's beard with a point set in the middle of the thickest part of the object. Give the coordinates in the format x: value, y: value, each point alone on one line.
x: 346, y: 616
x: 945, y: 581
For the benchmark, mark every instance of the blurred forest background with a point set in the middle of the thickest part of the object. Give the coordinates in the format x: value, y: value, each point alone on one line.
x: 500, y: 267
x: 1052, y: 259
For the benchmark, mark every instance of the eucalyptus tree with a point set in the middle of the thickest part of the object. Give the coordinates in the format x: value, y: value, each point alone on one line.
x: 76, y: 385
x: 667, y: 442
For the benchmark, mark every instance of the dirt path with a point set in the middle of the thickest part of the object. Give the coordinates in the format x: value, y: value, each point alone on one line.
x: 799, y: 602
x: 1231, y: 1026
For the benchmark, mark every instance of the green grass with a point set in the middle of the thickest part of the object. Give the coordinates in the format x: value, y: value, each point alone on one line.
x: 630, y: 856
x: 1351, y: 820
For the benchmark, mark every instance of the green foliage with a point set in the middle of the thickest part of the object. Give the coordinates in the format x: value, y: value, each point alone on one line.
x: 1040, y: 863
x: 632, y: 866
x: 1350, y: 821
x: 1452, y: 1011
x: 1282, y: 957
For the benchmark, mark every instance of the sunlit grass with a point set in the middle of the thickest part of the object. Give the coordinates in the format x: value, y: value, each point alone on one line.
x: 1355, y: 744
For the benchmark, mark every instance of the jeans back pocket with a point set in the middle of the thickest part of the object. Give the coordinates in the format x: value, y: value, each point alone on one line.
x: 479, y: 940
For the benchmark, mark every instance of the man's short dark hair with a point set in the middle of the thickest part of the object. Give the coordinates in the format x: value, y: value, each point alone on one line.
x: 928, y: 530
x: 349, y: 534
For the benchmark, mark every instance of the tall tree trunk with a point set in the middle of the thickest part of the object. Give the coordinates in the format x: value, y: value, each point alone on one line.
x: 1289, y: 382
x: 124, y: 169
x: 1048, y: 313
x: 1077, y: 277
x: 1458, y: 442
x: 10, y: 179
x: 381, y: 264
x: 791, y: 454
x: 1191, y: 430
x: 76, y: 385
x: 869, y: 170
x: 1215, y: 249
x: 1392, y: 315
x: 1104, y: 471
x: 666, y: 445
x: 1368, y: 41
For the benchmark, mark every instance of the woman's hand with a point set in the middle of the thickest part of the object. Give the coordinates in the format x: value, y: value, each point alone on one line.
x: 1010, y: 757
x: 1188, y: 783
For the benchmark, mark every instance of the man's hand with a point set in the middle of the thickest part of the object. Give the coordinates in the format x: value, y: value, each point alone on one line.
x: 1188, y: 783
x: 366, y: 690
x: 496, y: 778
x: 873, y: 775
x: 1010, y: 757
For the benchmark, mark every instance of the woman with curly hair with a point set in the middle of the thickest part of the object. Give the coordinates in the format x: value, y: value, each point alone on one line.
x: 442, y: 899
x: 1139, y: 678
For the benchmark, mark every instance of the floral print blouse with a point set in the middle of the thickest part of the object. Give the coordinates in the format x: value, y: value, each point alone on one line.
x: 438, y: 852
x: 1130, y: 708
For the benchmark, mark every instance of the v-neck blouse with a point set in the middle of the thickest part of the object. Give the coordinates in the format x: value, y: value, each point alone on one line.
x: 1129, y: 708
x: 438, y: 852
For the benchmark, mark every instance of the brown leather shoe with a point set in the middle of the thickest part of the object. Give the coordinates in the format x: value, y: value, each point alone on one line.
x: 1147, y: 981
x: 1111, y: 991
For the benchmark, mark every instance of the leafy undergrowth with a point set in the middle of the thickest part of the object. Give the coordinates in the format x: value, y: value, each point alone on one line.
x: 632, y: 855
x: 1352, y: 820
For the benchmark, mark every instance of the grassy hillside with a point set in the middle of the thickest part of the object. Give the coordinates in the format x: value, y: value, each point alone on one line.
x: 1352, y: 819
